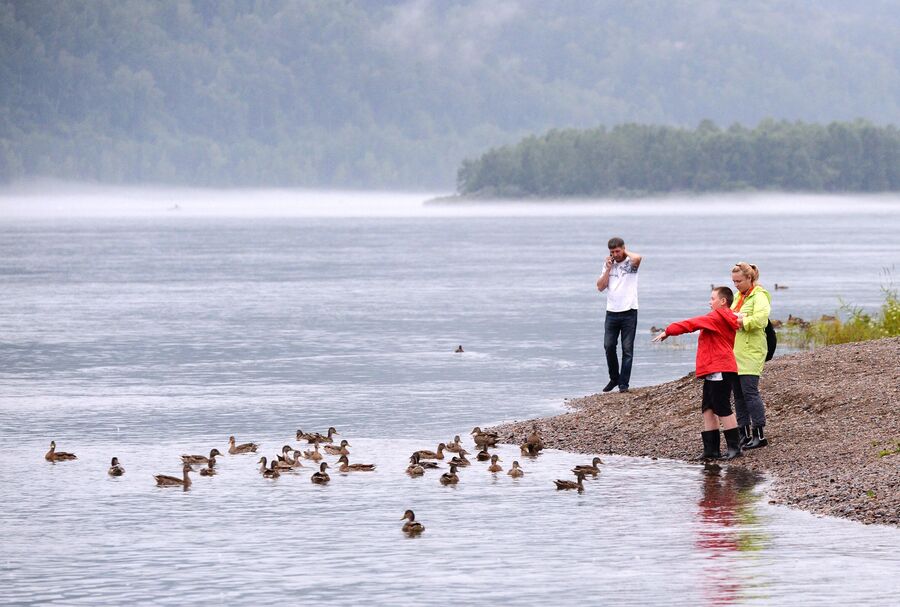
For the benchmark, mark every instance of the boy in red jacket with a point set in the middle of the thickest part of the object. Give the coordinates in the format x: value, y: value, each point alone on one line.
x: 717, y: 368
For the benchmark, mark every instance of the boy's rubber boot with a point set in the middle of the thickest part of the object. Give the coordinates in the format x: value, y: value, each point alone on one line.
x: 733, y: 440
x: 711, y: 442
x: 746, y: 435
x: 758, y: 438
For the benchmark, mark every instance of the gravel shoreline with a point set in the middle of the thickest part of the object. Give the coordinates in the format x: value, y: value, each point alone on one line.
x: 833, y: 424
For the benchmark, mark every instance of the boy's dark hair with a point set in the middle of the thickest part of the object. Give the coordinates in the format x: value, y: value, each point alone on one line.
x: 727, y: 293
x: 615, y: 242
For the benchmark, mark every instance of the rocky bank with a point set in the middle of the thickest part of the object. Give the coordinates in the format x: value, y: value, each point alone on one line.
x: 833, y: 424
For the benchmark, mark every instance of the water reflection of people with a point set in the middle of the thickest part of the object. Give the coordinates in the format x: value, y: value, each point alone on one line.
x: 727, y: 528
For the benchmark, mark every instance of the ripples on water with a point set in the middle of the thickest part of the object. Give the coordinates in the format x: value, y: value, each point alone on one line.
x: 147, y: 338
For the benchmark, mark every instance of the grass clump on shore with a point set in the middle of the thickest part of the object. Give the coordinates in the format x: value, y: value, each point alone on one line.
x: 858, y: 326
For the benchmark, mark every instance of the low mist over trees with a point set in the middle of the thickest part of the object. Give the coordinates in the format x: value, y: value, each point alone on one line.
x: 397, y: 93
x: 640, y: 159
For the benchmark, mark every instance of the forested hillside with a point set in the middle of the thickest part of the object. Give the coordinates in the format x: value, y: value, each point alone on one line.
x: 637, y: 159
x: 397, y: 93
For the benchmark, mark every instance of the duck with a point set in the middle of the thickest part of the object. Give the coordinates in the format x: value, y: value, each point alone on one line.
x: 592, y: 469
x: 412, y: 526
x: 346, y: 466
x: 115, y: 468
x: 454, y: 446
x: 579, y: 485
x: 341, y: 450
x: 483, y: 455
x: 210, y: 469
x: 450, y: 478
x: 425, y: 454
x: 779, y: 287
x: 654, y: 330
x: 301, y: 435
x: 280, y: 464
x: 245, y: 448
x: 314, y: 455
x: 321, y: 477
x: 163, y: 480
x: 495, y: 467
x: 270, y: 471
x: 328, y: 438
x: 415, y: 468
x: 58, y: 456
x: 484, y: 439
x: 460, y: 460
x: 458, y: 350
x: 535, y: 441
x: 293, y: 462
x: 200, y: 459
x: 516, y: 471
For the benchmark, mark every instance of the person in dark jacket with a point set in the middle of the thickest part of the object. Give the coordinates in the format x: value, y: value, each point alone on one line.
x: 717, y: 367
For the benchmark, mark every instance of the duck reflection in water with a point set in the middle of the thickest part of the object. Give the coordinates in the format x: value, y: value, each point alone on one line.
x: 728, y: 527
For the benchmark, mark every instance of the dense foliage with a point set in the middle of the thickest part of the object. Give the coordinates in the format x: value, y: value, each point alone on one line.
x: 397, y: 93
x: 640, y: 159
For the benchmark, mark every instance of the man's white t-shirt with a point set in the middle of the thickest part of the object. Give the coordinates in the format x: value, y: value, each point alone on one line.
x: 621, y: 292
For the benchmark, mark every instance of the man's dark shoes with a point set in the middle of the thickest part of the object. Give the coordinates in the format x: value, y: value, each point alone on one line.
x: 611, y: 385
x: 733, y: 440
x: 757, y: 438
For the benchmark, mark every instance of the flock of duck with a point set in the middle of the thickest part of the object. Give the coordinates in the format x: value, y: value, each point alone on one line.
x: 290, y: 459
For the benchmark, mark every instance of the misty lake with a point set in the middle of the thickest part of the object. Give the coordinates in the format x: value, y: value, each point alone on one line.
x: 147, y: 324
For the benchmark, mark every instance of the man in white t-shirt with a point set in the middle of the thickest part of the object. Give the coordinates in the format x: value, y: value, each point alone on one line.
x: 620, y: 281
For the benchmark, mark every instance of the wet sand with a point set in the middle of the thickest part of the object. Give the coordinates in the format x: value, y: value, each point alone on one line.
x: 833, y: 424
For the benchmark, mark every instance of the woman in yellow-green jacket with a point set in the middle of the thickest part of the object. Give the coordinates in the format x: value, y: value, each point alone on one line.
x: 752, y: 304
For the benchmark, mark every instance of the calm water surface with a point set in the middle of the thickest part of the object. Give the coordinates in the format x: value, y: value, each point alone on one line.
x: 162, y: 333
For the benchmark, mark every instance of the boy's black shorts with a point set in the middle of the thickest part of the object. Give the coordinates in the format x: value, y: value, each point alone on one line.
x: 717, y: 394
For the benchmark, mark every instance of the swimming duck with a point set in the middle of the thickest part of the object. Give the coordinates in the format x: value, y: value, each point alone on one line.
x: 427, y: 465
x: 529, y: 450
x: 412, y: 527
x: 163, y: 480
x: 454, y: 446
x: 301, y: 435
x: 341, y: 450
x: 293, y: 462
x: 346, y: 466
x: 460, y: 461
x: 199, y: 459
x: 516, y: 471
x: 592, y: 469
x: 58, y: 456
x: 535, y: 441
x: 439, y: 454
x: 495, y: 467
x: 321, y: 477
x: 268, y: 472
x: 115, y: 468
x: 415, y: 468
x: 459, y: 350
x: 450, y: 478
x: 561, y: 484
x: 314, y: 455
x: 311, y: 438
x: 245, y: 448
x: 484, y: 439
x: 483, y: 455
x: 210, y: 469
x: 280, y: 464
x: 779, y: 287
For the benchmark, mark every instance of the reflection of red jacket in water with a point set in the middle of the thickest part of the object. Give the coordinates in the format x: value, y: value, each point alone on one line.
x: 715, y: 348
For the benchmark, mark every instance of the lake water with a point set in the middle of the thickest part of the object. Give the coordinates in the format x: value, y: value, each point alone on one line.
x: 133, y: 328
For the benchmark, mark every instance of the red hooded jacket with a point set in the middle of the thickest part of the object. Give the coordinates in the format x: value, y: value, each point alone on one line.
x: 715, y: 348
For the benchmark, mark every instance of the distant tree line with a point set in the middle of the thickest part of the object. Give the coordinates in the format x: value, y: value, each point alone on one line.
x: 635, y: 159
x: 397, y: 93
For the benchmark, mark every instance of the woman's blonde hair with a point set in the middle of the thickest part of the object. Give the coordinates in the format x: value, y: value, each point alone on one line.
x: 747, y: 269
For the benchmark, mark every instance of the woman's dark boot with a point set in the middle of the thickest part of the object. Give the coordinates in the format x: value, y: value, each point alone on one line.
x: 733, y: 440
x: 757, y: 438
x: 746, y: 435
x: 711, y: 449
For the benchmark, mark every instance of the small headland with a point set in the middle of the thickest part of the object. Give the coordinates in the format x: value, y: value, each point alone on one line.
x: 833, y: 424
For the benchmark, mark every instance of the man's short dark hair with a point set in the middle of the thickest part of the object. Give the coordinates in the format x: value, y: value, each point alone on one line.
x: 615, y: 243
x: 725, y: 292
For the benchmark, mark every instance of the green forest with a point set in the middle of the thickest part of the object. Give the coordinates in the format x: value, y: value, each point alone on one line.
x: 395, y: 94
x: 636, y: 159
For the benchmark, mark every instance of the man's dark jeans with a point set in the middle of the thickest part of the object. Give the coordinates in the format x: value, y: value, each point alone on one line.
x: 626, y: 324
